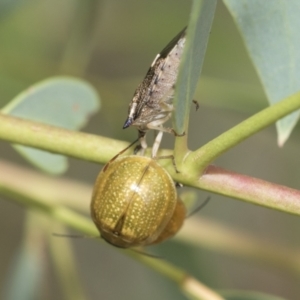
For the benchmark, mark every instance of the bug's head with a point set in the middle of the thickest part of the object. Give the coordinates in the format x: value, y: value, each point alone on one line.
x: 128, y: 122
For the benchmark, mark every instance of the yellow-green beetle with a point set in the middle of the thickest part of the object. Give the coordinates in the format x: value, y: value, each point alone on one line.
x: 135, y: 202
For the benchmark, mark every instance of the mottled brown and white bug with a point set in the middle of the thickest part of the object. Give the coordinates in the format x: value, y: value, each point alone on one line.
x: 152, y: 103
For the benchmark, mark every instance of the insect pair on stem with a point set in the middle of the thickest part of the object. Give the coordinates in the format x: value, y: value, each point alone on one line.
x: 135, y: 201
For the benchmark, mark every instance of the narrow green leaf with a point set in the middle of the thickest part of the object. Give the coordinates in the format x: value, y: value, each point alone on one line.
x: 271, y: 33
x: 201, y: 18
x: 65, y: 264
x: 248, y: 295
x: 60, y: 101
x: 26, y: 272
x: 24, y: 277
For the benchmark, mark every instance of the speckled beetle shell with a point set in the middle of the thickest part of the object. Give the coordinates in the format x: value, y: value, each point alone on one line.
x: 133, y: 201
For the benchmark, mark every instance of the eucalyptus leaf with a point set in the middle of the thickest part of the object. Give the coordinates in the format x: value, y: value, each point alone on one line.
x: 271, y: 32
x: 201, y: 18
x: 61, y: 101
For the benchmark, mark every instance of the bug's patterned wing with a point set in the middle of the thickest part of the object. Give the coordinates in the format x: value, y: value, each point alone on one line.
x: 153, y: 98
x: 164, y: 53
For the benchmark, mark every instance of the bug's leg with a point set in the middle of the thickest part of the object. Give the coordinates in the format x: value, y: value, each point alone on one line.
x: 175, y: 133
x: 165, y: 129
x: 143, y: 144
x: 196, y: 104
x: 156, y: 143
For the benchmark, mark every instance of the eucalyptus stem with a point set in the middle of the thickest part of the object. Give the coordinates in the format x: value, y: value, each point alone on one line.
x: 201, y: 158
x: 59, y: 140
x: 101, y: 149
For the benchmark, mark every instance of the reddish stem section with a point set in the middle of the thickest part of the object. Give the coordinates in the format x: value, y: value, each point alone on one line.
x: 250, y: 189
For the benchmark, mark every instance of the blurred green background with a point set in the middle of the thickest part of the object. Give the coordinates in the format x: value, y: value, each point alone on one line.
x: 111, y: 44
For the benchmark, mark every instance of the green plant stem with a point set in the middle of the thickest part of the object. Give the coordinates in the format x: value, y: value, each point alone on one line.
x: 101, y: 149
x: 246, y: 188
x: 201, y: 158
x: 66, y: 216
x: 40, y: 186
x: 58, y: 140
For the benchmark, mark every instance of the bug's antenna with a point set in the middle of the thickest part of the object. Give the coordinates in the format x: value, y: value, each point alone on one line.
x: 73, y: 236
x: 201, y: 206
x: 118, y: 154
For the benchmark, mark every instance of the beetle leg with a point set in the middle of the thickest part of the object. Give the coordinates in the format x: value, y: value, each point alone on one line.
x: 173, y: 161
